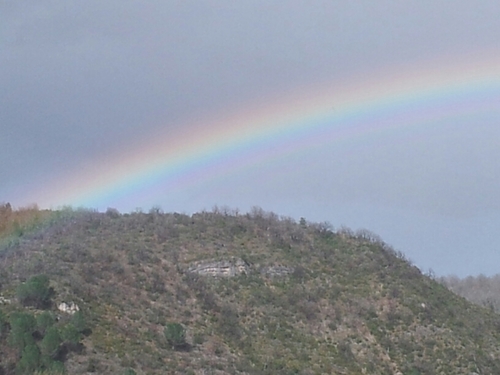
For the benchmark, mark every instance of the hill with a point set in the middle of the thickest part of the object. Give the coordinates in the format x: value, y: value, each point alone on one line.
x: 224, y: 293
x: 481, y: 290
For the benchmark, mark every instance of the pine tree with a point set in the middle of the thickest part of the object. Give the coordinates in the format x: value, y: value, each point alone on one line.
x: 70, y: 334
x: 30, y: 360
x: 78, y: 321
x: 44, y: 321
x: 23, y: 325
x: 51, y: 342
x: 35, y: 292
x: 3, y: 322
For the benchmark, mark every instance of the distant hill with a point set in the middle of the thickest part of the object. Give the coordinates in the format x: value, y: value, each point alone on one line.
x: 481, y: 290
x: 226, y: 293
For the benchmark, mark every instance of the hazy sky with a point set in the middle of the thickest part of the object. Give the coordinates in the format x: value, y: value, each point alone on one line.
x: 81, y: 81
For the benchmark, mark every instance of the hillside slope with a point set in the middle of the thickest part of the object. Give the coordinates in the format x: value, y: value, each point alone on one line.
x: 255, y: 293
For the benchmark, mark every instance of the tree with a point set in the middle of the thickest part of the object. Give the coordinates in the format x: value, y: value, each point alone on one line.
x: 30, y: 360
x: 3, y: 322
x: 70, y: 334
x: 44, y: 321
x: 23, y: 325
x: 57, y: 367
x: 79, y: 322
x: 51, y: 342
x: 175, y: 335
x: 35, y: 292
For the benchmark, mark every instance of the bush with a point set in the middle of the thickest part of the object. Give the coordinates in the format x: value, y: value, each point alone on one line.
x: 229, y: 324
x: 175, y: 335
x: 35, y: 292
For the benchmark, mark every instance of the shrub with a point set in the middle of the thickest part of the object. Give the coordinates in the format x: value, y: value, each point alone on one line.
x: 229, y: 324
x: 35, y: 292
x: 175, y: 335
x: 92, y: 365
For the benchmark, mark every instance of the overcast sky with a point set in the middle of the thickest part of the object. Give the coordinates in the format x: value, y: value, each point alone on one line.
x: 82, y: 80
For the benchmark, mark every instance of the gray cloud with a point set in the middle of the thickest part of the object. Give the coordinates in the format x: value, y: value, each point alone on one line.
x: 83, y: 80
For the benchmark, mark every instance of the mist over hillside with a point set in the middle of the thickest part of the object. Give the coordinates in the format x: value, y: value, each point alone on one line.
x: 221, y: 292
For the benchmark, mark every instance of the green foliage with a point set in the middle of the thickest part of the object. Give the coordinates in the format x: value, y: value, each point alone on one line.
x: 23, y: 325
x: 49, y: 366
x: 57, y: 367
x: 33, y: 357
x: 18, y: 229
x: 30, y: 360
x: 78, y: 321
x: 129, y: 371
x: 35, y: 292
x: 175, y: 335
x: 70, y: 334
x: 44, y: 321
x: 57, y: 370
x: 3, y: 322
x: 51, y: 342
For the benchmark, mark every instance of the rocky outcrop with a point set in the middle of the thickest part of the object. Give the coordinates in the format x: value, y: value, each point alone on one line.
x: 220, y: 268
x: 4, y: 301
x: 68, y: 308
x: 236, y: 266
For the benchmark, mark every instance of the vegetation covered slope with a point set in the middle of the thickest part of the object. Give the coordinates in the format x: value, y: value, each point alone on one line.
x: 481, y: 290
x: 18, y: 221
x: 345, y: 302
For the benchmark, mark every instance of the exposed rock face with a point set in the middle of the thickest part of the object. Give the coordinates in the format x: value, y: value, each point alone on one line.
x: 68, y: 308
x: 236, y: 266
x: 4, y: 301
x: 220, y: 268
x: 276, y: 271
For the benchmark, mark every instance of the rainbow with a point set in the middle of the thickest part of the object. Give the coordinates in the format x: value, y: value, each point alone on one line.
x: 404, y: 98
